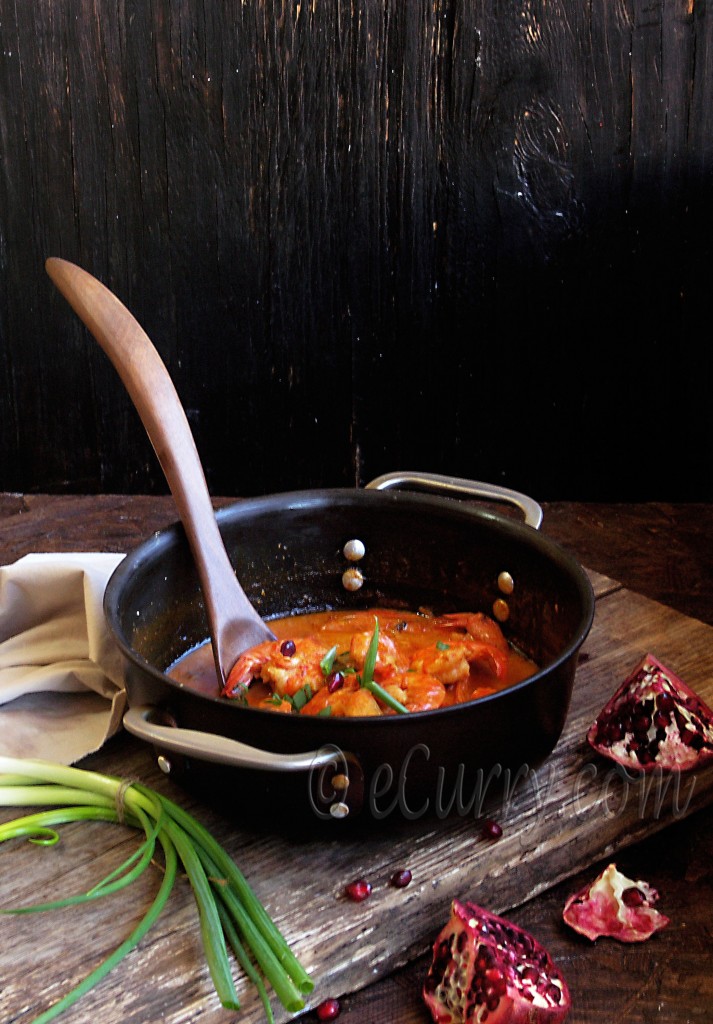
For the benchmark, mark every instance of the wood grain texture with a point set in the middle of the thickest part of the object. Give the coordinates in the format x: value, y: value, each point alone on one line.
x: 468, y: 238
x: 565, y: 817
x: 562, y: 818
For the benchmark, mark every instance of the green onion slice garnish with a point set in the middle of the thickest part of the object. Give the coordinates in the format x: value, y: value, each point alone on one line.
x: 327, y: 662
x: 367, y: 676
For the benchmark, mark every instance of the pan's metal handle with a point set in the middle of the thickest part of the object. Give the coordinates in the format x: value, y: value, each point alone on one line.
x: 219, y: 749
x: 456, y: 485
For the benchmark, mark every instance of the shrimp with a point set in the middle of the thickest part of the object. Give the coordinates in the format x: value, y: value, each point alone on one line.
x: 346, y: 703
x: 279, y: 704
x: 476, y: 625
x: 450, y: 662
x: 285, y: 665
x: 389, y: 660
x: 417, y: 691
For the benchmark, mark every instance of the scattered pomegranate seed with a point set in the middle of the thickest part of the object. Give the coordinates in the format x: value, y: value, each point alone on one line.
x: 329, y: 1009
x: 491, y: 829
x: 400, y: 879
x: 358, y: 890
x: 288, y: 648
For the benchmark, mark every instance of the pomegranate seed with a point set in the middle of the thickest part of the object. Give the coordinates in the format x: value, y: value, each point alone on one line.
x: 359, y: 890
x: 336, y: 682
x: 554, y: 994
x: 288, y: 648
x: 666, y: 703
x: 491, y: 829
x: 400, y: 879
x: 633, y: 897
x: 329, y: 1009
x: 641, y: 723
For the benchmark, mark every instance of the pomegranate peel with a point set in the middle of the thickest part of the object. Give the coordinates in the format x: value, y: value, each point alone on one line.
x: 654, y: 720
x: 615, y: 906
x: 487, y: 969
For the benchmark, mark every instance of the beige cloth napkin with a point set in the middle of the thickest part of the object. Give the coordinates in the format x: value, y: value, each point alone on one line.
x: 61, y: 683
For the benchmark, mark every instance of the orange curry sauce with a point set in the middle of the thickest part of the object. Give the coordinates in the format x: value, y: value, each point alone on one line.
x: 423, y: 662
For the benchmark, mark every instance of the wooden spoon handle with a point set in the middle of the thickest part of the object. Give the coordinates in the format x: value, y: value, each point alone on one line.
x: 234, y: 623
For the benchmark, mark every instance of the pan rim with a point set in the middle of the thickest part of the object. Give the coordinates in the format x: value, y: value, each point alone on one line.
x: 151, y: 548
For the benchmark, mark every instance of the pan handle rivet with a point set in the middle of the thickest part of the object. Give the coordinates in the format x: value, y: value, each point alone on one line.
x: 164, y: 764
x: 506, y: 584
x: 339, y: 810
x: 354, y: 550
x: 352, y: 579
x: 340, y: 781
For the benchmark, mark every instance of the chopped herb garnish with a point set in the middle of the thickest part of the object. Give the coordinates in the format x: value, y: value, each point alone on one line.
x: 300, y: 698
x: 367, y: 676
x: 441, y: 646
x: 384, y: 696
x: 327, y: 662
x: 325, y: 712
x: 240, y: 693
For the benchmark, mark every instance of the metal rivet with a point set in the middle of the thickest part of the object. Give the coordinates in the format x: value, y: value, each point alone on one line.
x: 352, y: 579
x: 164, y: 764
x: 506, y: 584
x: 354, y: 550
x: 501, y: 610
x: 339, y: 810
x: 340, y: 781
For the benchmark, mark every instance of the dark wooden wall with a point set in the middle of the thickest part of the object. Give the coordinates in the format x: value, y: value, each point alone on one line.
x: 465, y: 237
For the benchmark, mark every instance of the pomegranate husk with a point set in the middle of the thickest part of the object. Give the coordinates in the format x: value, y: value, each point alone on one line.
x: 487, y: 969
x: 654, y: 721
x: 603, y: 909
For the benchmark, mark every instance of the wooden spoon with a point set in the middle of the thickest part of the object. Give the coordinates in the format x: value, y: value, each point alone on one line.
x: 233, y: 622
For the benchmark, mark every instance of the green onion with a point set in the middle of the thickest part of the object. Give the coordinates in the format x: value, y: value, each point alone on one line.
x: 302, y: 697
x: 384, y: 696
x: 327, y: 662
x: 367, y: 676
x: 230, y: 915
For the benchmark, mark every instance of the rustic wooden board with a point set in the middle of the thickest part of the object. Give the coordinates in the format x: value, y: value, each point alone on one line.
x: 570, y: 813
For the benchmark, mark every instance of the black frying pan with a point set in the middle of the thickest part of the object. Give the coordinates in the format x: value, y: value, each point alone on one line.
x: 420, y: 551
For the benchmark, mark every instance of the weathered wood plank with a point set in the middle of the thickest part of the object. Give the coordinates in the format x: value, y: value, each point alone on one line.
x: 566, y: 815
x: 344, y: 224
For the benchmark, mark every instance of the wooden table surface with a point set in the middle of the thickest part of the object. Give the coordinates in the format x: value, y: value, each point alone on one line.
x: 660, y: 550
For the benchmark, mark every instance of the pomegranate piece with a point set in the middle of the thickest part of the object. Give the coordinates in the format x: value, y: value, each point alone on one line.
x: 615, y: 906
x: 487, y: 969
x: 654, y: 720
